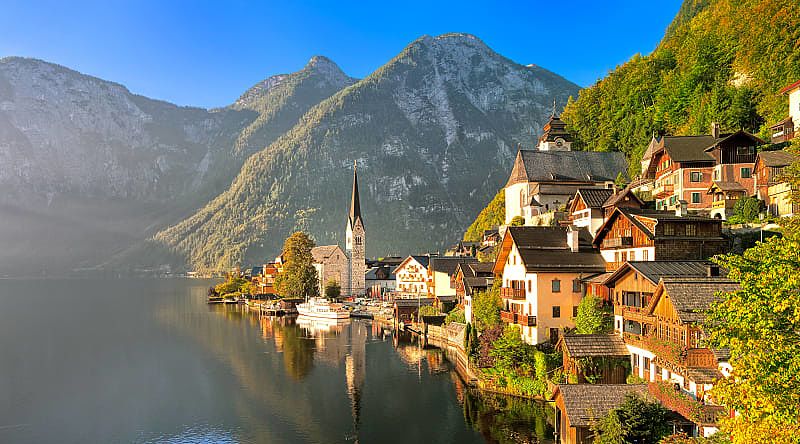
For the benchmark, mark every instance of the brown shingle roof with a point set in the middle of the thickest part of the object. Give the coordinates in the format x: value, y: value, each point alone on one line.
x: 693, y: 296
x: 583, y: 166
x: 655, y: 270
x: 778, y: 158
x: 689, y: 148
x: 545, y: 249
x: 448, y: 264
x: 585, y: 403
x: 595, y: 197
x: 727, y: 186
x: 703, y: 375
x: 581, y: 346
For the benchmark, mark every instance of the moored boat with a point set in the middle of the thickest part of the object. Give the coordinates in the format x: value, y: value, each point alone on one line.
x: 322, y: 308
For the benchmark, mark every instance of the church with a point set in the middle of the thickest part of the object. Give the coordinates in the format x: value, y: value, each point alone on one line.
x: 545, y: 178
x: 348, y: 268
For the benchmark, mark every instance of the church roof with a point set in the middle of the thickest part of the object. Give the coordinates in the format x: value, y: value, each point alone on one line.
x: 554, y: 129
x: 578, y: 166
x: 355, y: 201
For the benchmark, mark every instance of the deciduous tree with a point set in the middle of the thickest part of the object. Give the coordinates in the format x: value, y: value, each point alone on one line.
x: 298, y: 278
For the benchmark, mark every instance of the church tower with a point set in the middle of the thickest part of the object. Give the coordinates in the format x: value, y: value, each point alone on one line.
x: 355, y: 243
x: 555, y: 136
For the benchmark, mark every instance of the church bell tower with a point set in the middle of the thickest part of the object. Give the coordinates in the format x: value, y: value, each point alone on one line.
x: 355, y: 243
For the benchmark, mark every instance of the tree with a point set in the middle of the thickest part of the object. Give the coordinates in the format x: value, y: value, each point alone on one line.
x: 517, y: 221
x: 231, y: 285
x: 455, y: 315
x: 333, y: 290
x: 636, y: 420
x: 486, y: 307
x: 428, y: 310
x: 746, y: 209
x: 510, y: 352
x: 299, y: 277
x: 620, y: 181
x: 592, y: 318
x: 760, y: 324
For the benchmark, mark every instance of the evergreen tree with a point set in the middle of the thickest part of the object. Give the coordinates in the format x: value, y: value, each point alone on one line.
x: 333, y: 290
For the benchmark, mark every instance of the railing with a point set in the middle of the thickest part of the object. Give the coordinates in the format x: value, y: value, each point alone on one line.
x: 663, y: 190
x: 613, y: 266
x: 512, y: 293
x: 526, y: 321
x: 622, y: 241
x: 678, y: 401
x: 637, y: 314
x: 508, y: 317
x: 700, y: 357
x: 635, y: 340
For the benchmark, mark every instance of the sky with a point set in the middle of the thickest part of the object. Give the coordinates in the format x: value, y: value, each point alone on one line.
x: 208, y: 53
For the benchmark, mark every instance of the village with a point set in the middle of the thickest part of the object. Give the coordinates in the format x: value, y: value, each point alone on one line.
x: 580, y: 242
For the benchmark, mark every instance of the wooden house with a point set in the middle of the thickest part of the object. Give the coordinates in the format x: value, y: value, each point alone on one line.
x: 646, y: 235
x: 597, y: 358
x: 769, y: 184
x: 578, y: 406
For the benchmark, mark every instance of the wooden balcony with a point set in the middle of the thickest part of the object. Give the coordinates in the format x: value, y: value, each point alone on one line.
x: 637, y: 314
x: 613, y: 266
x: 700, y: 357
x: 526, y: 321
x: 683, y: 403
x: 618, y: 242
x: 635, y: 340
x: 512, y: 293
x: 663, y: 190
x: 508, y: 317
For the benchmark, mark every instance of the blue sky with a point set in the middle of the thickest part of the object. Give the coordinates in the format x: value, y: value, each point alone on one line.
x: 207, y: 53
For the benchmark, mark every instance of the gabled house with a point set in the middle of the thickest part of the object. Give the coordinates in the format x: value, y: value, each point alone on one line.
x: 412, y: 277
x: 595, y: 358
x: 785, y: 130
x: 646, y: 235
x: 470, y: 278
x: 769, y: 185
x: 591, y: 206
x: 441, y: 285
x: 578, y: 406
x: 541, y: 270
x: 380, y: 280
x: 670, y: 347
x: 683, y: 168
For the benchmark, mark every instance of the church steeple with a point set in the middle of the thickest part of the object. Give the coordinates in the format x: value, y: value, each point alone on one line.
x: 355, y: 201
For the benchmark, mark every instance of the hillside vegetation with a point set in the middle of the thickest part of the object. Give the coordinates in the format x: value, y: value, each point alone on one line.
x: 493, y: 215
x: 720, y: 61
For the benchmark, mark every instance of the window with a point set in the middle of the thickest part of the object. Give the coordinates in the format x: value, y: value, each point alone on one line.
x: 691, y: 230
x: 696, y: 197
x: 556, y: 311
x: 574, y: 311
x: 530, y: 287
x: 716, y: 174
x: 632, y: 256
x: 645, y: 255
x: 556, y: 286
x: 746, y: 173
x: 696, y: 176
x: 744, y: 150
x: 576, y: 285
x: 669, y: 230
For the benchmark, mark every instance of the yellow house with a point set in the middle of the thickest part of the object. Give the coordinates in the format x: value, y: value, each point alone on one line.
x: 541, y: 269
x: 780, y: 200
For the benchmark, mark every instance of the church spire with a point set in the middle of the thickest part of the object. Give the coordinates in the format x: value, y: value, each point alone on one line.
x: 355, y: 202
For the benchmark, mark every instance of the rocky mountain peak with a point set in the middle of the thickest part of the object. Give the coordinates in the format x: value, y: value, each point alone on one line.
x: 328, y: 69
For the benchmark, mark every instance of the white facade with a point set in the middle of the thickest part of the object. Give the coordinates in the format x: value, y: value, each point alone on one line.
x: 629, y: 254
x: 589, y: 218
x: 517, y: 197
x: 412, y: 278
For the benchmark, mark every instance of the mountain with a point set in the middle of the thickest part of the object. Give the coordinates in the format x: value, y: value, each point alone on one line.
x: 90, y: 170
x: 720, y: 61
x: 433, y: 132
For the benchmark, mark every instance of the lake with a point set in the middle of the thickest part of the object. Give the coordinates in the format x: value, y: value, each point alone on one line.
x: 148, y: 361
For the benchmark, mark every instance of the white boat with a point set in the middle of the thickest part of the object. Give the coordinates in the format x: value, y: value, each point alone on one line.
x: 322, y: 308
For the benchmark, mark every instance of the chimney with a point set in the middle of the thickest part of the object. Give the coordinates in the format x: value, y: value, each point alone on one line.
x: 715, y: 130
x: 712, y: 270
x: 682, y: 209
x: 572, y: 239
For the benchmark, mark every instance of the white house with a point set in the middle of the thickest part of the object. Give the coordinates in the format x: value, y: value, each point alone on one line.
x: 412, y: 277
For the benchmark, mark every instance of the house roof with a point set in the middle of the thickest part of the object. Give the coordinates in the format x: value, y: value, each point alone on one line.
x: 702, y: 375
x: 779, y: 158
x: 580, y: 166
x: 726, y: 186
x: 597, y: 278
x: 739, y: 133
x: 595, y: 197
x: 585, y: 403
x: 632, y: 214
x: 689, y: 148
x: 413, y: 302
x: 692, y: 296
x: 653, y: 271
x: 546, y: 249
x: 582, y: 346
x: 625, y: 193
x: 790, y: 87
x: 782, y: 123
x: 448, y: 264
x: 323, y: 252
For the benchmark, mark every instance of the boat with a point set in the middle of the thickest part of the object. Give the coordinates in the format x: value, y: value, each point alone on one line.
x: 215, y: 300
x: 322, y: 308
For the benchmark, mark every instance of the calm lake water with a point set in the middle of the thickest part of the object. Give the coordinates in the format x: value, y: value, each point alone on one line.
x: 104, y: 361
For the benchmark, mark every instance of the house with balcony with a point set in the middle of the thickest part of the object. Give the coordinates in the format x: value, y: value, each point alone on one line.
x: 470, y: 278
x: 646, y: 235
x: 669, y: 352
x: 412, y: 277
x: 683, y: 168
x: 734, y: 156
x: 769, y: 185
x: 785, y: 130
x: 541, y: 270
